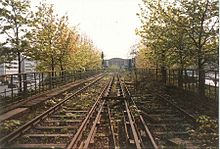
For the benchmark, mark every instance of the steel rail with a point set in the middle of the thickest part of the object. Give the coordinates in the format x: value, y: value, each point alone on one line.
x: 127, y: 94
x: 137, y: 138
x: 22, y: 129
x: 113, y: 138
x: 191, y: 117
x: 94, y: 127
x: 162, y: 99
x: 78, y: 135
x: 15, y: 104
x: 134, y: 131
x: 98, y: 116
x: 112, y: 133
x: 146, y: 129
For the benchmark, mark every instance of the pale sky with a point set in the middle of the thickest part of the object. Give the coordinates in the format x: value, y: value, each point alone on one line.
x: 110, y: 24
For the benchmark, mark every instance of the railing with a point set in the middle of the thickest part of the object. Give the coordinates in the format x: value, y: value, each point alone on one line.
x: 19, y: 86
x: 187, y: 79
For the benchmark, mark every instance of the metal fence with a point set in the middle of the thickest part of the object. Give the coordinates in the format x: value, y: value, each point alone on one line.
x: 189, y: 79
x: 35, y: 82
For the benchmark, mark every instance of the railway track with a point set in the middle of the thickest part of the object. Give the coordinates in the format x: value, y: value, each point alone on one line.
x: 115, y: 125
x: 137, y: 132
x: 169, y: 124
x: 55, y: 127
x: 35, y: 107
x: 12, y: 105
x: 107, y: 116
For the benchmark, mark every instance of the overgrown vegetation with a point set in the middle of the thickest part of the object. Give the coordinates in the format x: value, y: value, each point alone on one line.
x: 206, y: 132
x: 178, y: 34
x: 9, y: 125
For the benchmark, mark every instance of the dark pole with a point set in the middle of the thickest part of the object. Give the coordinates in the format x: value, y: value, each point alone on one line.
x: 102, y: 57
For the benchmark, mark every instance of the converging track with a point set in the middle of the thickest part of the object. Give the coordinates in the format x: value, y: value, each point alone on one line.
x: 105, y: 115
x: 116, y: 124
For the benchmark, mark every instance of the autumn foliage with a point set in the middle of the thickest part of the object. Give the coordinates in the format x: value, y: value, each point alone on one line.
x: 42, y: 35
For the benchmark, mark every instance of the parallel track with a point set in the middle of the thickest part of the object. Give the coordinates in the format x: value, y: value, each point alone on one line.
x: 47, y: 121
x: 83, y: 141
x: 141, y: 136
x: 35, y: 107
x: 114, y: 120
x: 12, y: 105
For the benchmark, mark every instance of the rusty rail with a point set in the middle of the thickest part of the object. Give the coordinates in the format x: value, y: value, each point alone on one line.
x: 137, y: 138
x: 94, y: 127
x: 113, y: 137
x: 24, y: 128
x: 146, y: 129
x: 74, y: 143
x: 185, y: 113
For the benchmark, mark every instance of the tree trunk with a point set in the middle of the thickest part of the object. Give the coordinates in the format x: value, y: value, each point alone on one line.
x: 52, y: 72
x: 61, y: 66
x: 62, y: 70
x: 19, y: 72
x: 180, y: 77
x: 201, y: 88
x: 180, y: 71
x: 164, y: 74
x: 52, y: 66
x: 19, y: 59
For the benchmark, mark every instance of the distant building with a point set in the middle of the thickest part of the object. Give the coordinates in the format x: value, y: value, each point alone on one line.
x: 9, y: 68
x: 28, y: 66
x: 12, y: 67
x: 119, y: 62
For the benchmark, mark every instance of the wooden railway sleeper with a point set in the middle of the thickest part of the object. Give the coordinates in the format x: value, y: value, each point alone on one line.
x: 146, y: 129
x: 24, y: 128
x: 185, y: 113
x: 13, y: 135
x: 94, y: 127
x: 76, y: 138
x: 135, y: 133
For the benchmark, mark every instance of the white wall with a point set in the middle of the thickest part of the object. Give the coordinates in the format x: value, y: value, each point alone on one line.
x: 12, y: 67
